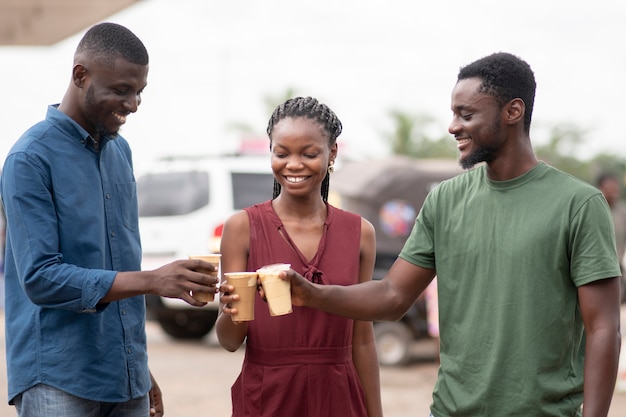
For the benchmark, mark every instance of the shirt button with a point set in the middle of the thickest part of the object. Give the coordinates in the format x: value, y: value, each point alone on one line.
x: 123, y: 312
x: 108, y: 196
x: 129, y: 351
x: 112, y: 234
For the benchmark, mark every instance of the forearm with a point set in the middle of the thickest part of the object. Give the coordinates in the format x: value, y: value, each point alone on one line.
x: 378, y: 300
x: 178, y: 279
x: 130, y: 284
x: 601, y: 363
x: 368, y: 301
x: 230, y: 335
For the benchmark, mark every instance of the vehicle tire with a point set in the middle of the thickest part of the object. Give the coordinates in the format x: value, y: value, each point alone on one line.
x: 187, y: 325
x: 393, y: 340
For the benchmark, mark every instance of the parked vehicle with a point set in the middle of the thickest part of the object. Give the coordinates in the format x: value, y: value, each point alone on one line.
x: 183, y: 203
x: 389, y: 193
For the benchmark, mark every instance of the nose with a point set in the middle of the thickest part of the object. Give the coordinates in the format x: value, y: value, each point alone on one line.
x: 294, y: 162
x: 454, y: 126
x: 132, y: 103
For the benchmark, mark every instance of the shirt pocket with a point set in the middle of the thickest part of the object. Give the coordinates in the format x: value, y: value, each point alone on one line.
x: 128, y: 204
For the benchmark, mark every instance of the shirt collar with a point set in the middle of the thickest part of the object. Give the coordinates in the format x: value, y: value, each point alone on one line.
x: 70, y: 127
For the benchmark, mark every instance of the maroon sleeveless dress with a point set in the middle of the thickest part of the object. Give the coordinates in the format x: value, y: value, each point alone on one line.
x: 300, y: 364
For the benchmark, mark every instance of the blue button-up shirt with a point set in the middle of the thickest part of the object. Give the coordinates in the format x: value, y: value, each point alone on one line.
x: 72, y: 223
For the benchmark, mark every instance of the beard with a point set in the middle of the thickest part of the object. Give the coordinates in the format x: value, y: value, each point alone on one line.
x: 482, y: 154
x: 486, y: 152
x: 91, y: 110
x: 102, y: 131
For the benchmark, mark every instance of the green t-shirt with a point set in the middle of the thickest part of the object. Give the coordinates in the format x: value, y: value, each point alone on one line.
x: 509, y: 256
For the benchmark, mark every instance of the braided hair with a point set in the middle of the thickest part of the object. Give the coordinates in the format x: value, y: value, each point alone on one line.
x: 310, y: 108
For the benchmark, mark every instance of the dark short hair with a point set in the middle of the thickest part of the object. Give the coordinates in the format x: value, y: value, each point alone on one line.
x: 505, y: 77
x: 107, y: 41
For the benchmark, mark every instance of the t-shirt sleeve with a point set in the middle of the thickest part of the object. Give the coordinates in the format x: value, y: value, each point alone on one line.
x: 592, y: 243
x: 419, y: 248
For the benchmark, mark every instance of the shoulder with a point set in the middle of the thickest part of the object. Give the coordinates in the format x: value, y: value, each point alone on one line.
x: 452, y: 189
x: 342, y: 215
x: 30, y: 140
x: 462, y: 180
x: 367, y: 227
x: 368, y: 233
x: 352, y: 221
x: 237, y: 220
x: 243, y: 217
x: 259, y: 210
x: 560, y: 182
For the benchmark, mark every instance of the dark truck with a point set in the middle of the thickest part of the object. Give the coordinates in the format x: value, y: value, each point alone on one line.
x: 389, y: 193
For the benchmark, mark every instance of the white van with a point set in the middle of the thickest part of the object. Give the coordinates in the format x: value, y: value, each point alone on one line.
x: 183, y: 203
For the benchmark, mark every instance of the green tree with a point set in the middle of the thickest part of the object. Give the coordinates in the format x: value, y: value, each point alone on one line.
x: 563, y: 142
x: 409, y: 137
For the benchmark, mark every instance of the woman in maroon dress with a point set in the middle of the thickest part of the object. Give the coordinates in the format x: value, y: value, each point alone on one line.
x: 307, y: 363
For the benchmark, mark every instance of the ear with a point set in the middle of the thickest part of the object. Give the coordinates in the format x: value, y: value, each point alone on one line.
x: 333, y: 153
x: 79, y: 74
x: 514, y: 111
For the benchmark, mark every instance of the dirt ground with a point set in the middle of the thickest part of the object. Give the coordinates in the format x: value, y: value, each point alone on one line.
x: 195, y: 378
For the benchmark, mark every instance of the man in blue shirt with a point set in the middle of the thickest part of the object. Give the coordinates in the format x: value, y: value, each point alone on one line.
x: 75, y: 311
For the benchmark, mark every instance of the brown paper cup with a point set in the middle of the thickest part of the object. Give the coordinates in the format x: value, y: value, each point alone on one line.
x: 245, y: 286
x: 277, y: 291
x: 213, y: 258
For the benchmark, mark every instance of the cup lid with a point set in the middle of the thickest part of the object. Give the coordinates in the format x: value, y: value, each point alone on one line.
x: 274, y: 267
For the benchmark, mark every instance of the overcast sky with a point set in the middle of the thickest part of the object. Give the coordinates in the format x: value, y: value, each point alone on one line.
x: 214, y: 63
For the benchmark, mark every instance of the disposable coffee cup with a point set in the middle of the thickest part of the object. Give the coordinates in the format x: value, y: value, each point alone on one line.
x: 277, y: 291
x: 245, y: 286
x: 215, y: 259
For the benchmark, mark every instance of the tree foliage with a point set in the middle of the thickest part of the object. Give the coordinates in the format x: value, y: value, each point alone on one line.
x: 410, y: 137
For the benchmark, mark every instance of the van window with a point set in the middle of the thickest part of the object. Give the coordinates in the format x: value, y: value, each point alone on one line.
x: 172, y: 193
x: 250, y: 189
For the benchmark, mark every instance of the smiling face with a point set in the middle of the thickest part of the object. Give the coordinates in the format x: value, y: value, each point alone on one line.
x: 300, y: 155
x: 108, y: 94
x: 476, y: 123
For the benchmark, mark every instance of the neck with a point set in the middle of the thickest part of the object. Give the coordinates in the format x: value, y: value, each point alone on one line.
x: 511, y: 162
x: 295, y: 208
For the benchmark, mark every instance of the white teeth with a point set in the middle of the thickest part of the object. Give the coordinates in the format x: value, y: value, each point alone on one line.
x: 295, y: 179
x: 121, y: 118
x: 461, y: 142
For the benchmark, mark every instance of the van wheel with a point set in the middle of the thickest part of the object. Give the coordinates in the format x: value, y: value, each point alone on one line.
x: 187, y: 325
x: 393, y: 340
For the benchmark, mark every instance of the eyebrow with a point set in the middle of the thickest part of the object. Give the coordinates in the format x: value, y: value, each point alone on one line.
x: 461, y: 107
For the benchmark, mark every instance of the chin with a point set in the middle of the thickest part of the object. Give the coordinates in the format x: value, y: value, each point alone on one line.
x: 466, y: 165
x: 467, y: 162
x: 104, y: 131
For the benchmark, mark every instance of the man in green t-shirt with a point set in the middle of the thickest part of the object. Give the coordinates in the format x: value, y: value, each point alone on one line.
x: 525, y: 261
